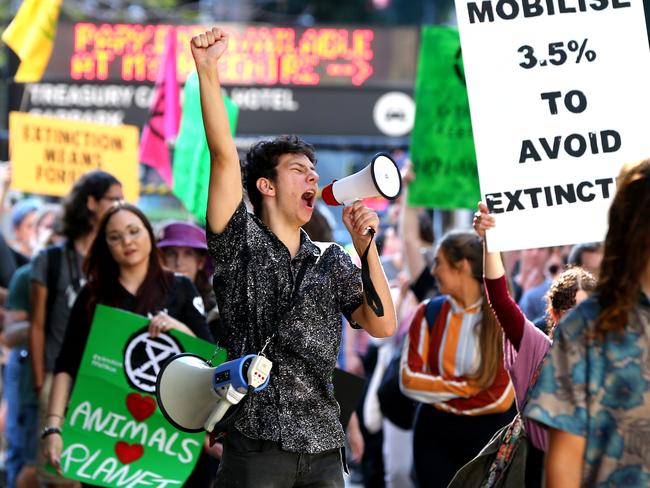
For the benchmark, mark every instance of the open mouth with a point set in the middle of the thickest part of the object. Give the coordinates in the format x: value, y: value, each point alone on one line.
x: 309, y: 197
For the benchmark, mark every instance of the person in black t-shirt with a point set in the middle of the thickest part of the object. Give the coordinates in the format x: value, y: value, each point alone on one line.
x: 124, y: 271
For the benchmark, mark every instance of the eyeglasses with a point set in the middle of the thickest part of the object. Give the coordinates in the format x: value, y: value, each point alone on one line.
x: 115, y: 238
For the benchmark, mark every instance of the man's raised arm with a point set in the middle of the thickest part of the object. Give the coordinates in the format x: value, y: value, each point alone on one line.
x: 225, y: 187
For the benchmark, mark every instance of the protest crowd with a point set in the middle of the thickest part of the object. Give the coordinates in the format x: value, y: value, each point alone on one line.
x: 411, y: 427
x: 476, y: 368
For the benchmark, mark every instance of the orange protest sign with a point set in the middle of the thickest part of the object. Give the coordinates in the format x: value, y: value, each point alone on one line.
x: 49, y: 154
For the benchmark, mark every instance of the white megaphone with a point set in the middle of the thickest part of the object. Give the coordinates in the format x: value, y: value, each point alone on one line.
x: 193, y: 396
x: 380, y: 178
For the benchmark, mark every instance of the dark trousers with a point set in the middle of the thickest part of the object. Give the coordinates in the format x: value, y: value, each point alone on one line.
x: 443, y: 442
x: 534, y: 467
x: 204, y: 471
x: 251, y: 463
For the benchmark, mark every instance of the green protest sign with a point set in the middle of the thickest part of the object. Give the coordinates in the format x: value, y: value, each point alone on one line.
x: 442, y: 147
x: 115, y: 434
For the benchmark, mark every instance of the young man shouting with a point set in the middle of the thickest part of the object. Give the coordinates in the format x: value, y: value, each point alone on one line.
x: 273, y: 285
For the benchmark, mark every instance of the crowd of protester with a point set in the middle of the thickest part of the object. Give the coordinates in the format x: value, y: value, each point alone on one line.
x: 484, y: 339
x: 59, y: 261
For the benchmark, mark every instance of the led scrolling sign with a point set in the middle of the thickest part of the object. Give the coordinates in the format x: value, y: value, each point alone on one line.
x: 257, y: 55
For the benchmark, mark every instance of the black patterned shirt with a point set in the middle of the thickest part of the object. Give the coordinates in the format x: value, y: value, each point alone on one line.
x: 253, y: 282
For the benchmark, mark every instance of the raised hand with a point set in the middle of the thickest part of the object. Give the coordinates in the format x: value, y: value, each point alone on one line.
x: 357, y: 218
x: 482, y: 220
x: 208, y: 47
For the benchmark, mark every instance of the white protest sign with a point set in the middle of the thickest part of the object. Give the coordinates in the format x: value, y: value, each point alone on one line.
x: 559, y: 100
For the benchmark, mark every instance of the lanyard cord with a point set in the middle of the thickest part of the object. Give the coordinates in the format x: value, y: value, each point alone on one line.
x: 368, y: 288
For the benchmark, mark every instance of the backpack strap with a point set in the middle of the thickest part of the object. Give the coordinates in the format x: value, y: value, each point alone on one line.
x: 432, y: 310
x: 76, y: 274
x: 54, y: 257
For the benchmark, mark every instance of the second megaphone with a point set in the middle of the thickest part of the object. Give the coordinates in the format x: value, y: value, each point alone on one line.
x: 380, y: 178
x: 194, y: 396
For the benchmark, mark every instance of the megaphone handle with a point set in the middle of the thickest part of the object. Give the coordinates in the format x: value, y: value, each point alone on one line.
x: 372, y: 297
x: 216, y: 415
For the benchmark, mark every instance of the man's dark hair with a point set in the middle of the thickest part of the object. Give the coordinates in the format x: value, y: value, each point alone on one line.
x: 575, y: 256
x: 77, y: 219
x: 262, y: 161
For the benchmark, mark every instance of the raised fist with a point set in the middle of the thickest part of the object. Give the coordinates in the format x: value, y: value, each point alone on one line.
x: 208, y: 47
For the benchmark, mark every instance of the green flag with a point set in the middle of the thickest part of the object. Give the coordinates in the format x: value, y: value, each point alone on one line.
x: 191, y: 155
x: 442, y: 147
x: 115, y: 434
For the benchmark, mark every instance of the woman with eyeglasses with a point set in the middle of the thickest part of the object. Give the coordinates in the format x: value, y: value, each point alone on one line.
x: 124, y: 271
